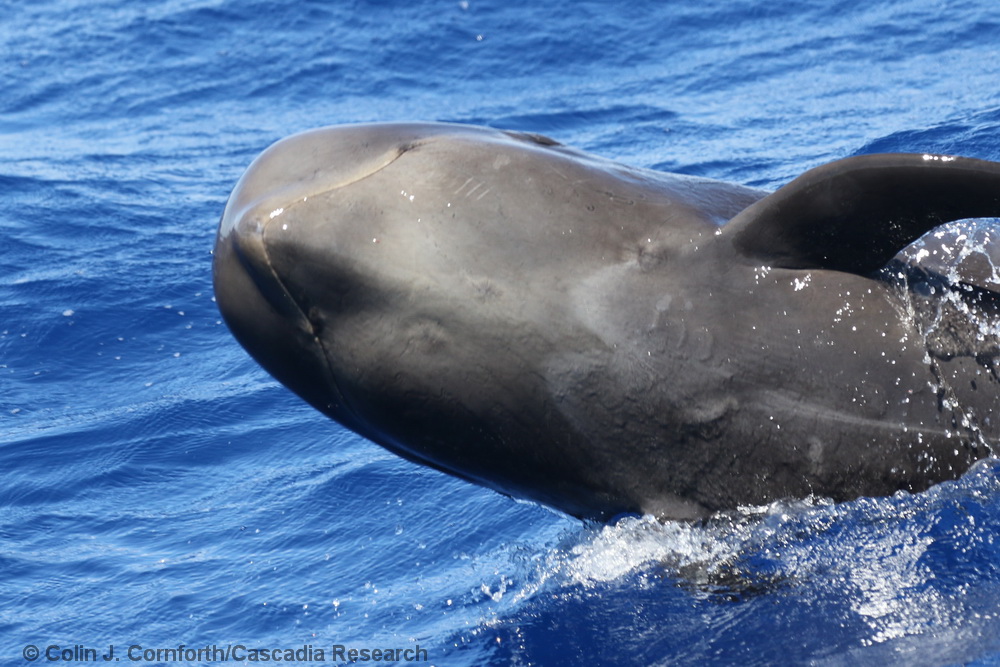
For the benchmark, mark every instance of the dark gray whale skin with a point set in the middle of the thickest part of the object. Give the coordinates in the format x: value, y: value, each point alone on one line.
x: 605, y: 339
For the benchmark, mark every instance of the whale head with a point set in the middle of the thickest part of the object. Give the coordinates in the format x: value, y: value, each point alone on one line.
x: 413, y: 281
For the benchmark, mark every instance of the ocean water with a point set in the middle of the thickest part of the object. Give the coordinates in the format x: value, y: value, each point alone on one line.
x: 157, y: 488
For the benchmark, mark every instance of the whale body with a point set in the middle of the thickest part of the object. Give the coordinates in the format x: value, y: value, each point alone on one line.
x: 606, y: 339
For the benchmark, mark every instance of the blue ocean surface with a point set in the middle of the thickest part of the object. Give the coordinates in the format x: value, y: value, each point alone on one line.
x: 158, y: 489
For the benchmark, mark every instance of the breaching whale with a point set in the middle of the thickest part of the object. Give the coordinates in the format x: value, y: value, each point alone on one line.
x: 606, y: 339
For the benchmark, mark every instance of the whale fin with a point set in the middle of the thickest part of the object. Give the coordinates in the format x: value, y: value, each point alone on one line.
x: 856, y: 214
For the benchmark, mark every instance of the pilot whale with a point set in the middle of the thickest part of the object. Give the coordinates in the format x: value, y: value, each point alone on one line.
x: 605, y: 339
